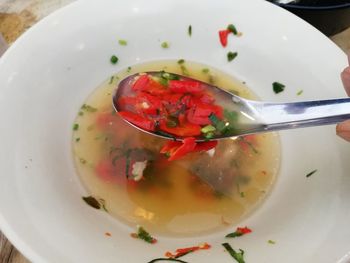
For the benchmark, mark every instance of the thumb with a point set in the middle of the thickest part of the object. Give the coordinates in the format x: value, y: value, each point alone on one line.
x: 343, y: 130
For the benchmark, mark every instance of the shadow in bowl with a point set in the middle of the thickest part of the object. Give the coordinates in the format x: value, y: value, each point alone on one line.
x: 328, y: 16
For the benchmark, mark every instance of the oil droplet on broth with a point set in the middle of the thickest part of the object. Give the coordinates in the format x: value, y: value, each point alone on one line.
x: 199, y: 194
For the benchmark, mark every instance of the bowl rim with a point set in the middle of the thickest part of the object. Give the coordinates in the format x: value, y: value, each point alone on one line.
x: 316, y: 8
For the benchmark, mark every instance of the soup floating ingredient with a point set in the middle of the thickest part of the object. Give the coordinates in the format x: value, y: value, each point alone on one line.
x: 173, y: 105
x: 205, y: 191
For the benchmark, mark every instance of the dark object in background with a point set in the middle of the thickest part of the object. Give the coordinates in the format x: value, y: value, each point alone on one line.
x: 328, y: 16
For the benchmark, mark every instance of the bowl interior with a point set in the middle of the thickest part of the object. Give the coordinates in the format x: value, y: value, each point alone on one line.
x: 48, y: 73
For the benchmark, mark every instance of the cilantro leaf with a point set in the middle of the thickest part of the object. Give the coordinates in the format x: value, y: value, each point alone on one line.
x: 238, y: 256
x: 278, y: 87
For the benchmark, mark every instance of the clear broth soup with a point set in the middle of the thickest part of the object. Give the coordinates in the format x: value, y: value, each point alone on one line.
x: 202, y: 193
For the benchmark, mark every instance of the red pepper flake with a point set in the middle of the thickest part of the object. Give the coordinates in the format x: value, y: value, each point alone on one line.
x: 108, y: 234
x: 183, y: 251
x: 223, y: 35
x: 240, y: 231
x: 176, y: 150
x: 138, y: 120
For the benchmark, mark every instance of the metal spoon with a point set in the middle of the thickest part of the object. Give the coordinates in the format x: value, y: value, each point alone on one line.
x: 258, y: 116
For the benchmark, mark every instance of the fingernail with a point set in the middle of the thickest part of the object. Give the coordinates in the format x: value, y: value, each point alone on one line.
x: 343, y: 130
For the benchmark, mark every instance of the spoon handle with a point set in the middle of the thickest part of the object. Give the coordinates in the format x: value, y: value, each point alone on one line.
x: 280, y: 116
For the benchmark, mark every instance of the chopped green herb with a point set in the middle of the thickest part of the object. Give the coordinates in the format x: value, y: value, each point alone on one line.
x: 165, y: 134
x: 169, y: 76
x: 91, y: 201
x: 82, y: 160
x: 163, y: 81
x: 122, y: 42
x: 232, y: 29
x: 75, y: 127
x: 165, y: 45
x: 81, y: 113
x: 242, y: 194
x: 225, y: 126
x: 184, y: 70
x: 214, y: 119
x: 111, y: 80
x: 208, y: 128
x: 221, y: 126
x: 278, y: 87
x: 165, y: 77
x: 209, y: 135
x: 166, y: 259
x: 114, y: 59
x: 88, y: 108
x: 300, y: 92
x: 235, y: 234
x: 180, y: 61
x: 77, y: 139
x: 271, y: 242
x: 144, y: 235
x: 189, y: 30
x: 238, y: 256
x: 231, y: 56
x: 311, y: 173
x: 128, y: 69
x: 205, y: 70
x: 231, y: 116
x: 128, y: 161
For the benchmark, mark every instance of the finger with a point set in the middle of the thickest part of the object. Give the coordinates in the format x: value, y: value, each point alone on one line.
x: 345, y: 77
x: 343, y: 130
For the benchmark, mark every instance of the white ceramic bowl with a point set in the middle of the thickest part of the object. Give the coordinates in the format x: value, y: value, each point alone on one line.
x: 50, y: 70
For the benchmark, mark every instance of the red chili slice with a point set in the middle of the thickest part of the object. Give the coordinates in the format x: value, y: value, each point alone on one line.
x: 207, y: 98
x: 195, y: 119
x: 182, y: 251
x: 243, y: 230
x: 138, y: 120
x: 185, y: 147
x: 199, y: 113
x: 170, y: 145
x: 148, y: 104
x: 141, y: 83
x: 185, y: 86
x: 126, y: 101
x: 205, y: 146
x: 173, y: 148
x: 155, y: 88
x: 223, y: 35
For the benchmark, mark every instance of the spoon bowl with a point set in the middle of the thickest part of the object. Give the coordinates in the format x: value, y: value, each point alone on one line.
x: 252, y: 116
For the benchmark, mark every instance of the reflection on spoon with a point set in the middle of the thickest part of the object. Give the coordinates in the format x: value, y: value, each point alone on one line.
x: 173, y: 106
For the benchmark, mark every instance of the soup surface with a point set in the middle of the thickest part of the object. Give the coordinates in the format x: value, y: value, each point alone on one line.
x: 198, y: 194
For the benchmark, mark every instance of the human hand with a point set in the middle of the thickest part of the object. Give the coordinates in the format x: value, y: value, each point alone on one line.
x: 343, y: 129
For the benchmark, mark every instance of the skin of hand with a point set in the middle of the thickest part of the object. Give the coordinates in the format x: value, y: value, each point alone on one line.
x: 343, y: 129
